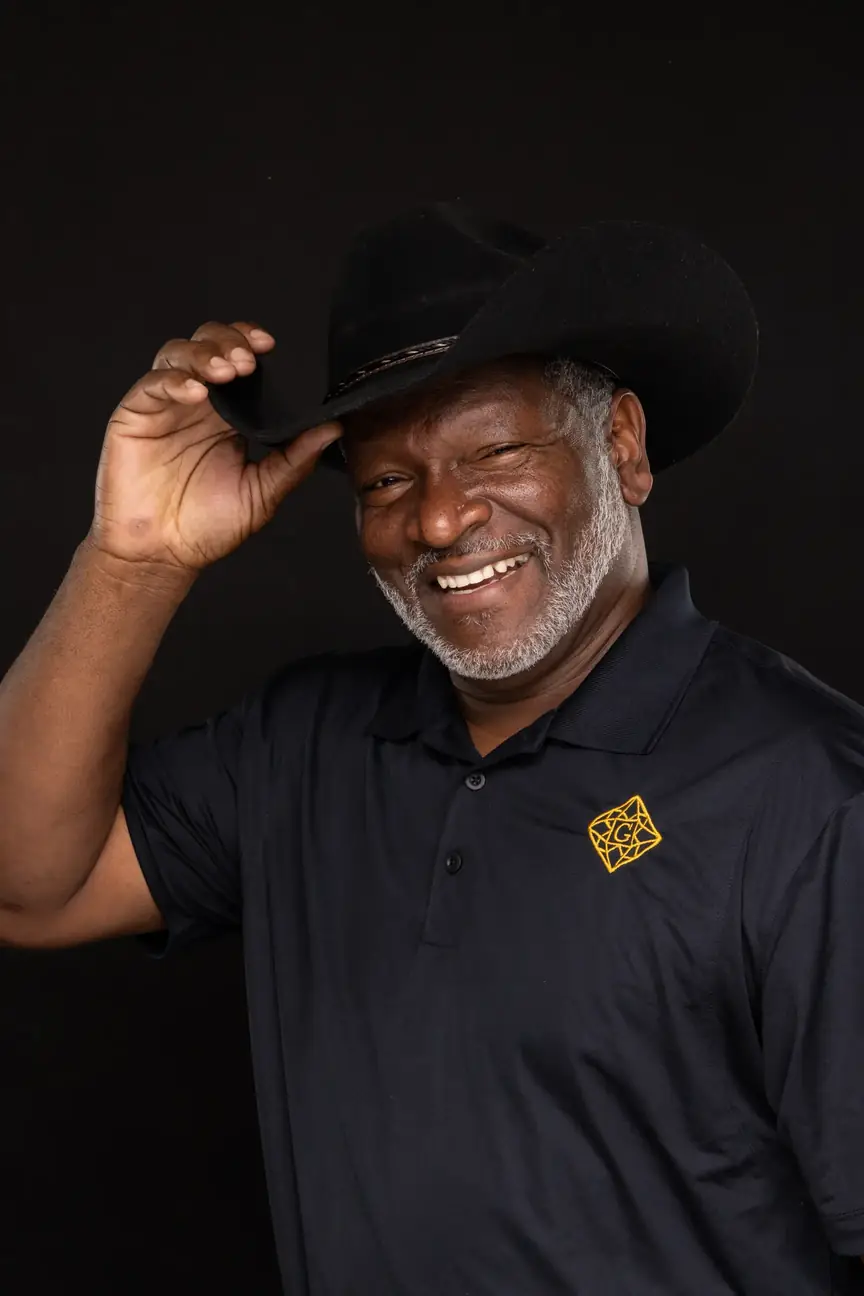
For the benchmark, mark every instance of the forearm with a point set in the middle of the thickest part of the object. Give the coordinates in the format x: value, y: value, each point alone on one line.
x: 65, y: 708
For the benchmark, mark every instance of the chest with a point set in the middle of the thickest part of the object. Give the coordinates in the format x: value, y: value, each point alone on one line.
x: 568, y: 887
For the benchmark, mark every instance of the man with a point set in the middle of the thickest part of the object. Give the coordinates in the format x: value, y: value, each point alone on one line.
x: 551, y: 922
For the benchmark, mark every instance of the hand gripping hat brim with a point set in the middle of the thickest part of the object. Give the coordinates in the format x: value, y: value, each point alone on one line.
x: 441, y: 290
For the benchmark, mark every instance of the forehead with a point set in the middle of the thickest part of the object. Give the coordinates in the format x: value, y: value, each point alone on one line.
x: 494, y: 394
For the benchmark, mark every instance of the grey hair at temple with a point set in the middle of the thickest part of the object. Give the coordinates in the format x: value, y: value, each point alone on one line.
x: 581, y: 397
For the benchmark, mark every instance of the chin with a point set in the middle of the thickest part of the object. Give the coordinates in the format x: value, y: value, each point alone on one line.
x: 486, y: 657
x: 480, y: 632
x: 481, y: 664
x: 483, y: 643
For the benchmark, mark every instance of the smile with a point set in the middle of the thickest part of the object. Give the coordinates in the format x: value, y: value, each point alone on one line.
x: 492, y: 573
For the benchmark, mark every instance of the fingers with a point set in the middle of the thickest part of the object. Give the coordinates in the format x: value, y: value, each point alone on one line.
x: 240, y: 333
x: 160, y: 387
x: 216, y: 352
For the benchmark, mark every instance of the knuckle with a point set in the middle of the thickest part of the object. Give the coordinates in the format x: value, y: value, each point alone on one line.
x: 295, y: 465
x: 165, y: 377
x: 204, y: 332
x: 167, y: 348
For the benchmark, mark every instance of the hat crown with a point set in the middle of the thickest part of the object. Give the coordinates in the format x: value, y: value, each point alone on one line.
x: 419, y: 277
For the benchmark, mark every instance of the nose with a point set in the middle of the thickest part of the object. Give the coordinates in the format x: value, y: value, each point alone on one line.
x: 444, y: 511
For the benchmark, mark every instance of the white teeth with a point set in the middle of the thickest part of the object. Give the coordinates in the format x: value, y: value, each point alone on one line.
x: 483, y: 573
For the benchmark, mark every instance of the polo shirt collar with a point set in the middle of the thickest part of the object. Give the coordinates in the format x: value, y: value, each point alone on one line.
x: 623, y: 705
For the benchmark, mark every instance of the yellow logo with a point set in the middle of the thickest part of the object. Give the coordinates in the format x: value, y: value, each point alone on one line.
x: 624, y: 833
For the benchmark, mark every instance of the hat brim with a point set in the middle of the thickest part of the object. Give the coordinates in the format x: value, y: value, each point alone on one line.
x: 665, y: 313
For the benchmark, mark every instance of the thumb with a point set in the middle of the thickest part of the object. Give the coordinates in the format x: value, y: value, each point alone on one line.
x: 286, y: 466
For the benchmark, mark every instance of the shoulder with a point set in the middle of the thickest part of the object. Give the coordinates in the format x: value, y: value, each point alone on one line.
x: 802, y: 751
x: 800, y: 745
x: 780, y: 703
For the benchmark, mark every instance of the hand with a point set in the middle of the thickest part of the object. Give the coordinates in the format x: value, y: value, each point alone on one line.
x: 173, y: 487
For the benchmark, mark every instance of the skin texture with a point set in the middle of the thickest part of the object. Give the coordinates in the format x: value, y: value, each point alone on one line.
x: 440, y: 480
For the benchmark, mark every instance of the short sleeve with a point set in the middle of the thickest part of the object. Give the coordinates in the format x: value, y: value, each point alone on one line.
x: 180, y: 798
x: 812, y: 1020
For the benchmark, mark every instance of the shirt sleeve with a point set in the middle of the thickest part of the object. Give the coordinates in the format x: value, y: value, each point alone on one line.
x: 180, y: 798
x: 812, y: 1020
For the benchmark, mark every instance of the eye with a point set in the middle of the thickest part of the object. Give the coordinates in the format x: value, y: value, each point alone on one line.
x: 380, y: 483
x: 496, y: 451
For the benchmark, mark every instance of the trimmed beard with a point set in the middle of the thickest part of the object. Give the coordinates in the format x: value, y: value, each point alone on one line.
x: 570, y: 592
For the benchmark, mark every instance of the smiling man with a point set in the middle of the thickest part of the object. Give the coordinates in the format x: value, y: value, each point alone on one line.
x: 522, y: 529
x: 551, y: 920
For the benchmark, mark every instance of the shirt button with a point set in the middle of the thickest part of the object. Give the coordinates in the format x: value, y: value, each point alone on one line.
x: 475, y: 781
x: 453, y: 863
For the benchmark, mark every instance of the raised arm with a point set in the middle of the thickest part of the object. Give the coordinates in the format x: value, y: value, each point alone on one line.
x: 174, y: 493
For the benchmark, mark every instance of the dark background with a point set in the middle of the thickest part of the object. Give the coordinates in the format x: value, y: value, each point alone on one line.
x: 167, y: 166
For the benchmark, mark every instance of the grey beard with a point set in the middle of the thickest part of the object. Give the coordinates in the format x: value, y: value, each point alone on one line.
x: 571, y: 591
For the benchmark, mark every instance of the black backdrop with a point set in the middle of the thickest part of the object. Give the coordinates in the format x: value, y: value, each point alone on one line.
x: 165, y: 166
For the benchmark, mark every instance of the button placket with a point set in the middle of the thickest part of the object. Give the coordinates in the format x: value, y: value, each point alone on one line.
x: 452, y: 885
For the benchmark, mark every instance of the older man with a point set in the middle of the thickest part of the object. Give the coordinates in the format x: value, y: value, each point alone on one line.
x: 551, y: 921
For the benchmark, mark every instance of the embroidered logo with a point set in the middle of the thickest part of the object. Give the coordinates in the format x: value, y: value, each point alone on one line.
x: 624, y: 833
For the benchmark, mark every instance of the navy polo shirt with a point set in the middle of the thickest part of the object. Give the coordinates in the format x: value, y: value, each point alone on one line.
x: 584, y: 1016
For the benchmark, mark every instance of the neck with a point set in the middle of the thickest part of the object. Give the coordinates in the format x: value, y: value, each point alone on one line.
x: 494, y: 710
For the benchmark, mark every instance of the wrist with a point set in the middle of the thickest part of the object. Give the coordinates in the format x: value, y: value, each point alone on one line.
x: 161, y: 580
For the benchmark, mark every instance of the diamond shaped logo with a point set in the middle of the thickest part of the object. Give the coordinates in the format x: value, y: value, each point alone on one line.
x: 624, y: 833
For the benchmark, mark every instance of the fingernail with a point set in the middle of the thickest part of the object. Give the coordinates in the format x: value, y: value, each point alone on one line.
x: 241, y: 356
x: 260, y: 335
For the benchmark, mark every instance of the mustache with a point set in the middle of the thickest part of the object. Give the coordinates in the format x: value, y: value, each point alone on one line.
x: 525, y: 542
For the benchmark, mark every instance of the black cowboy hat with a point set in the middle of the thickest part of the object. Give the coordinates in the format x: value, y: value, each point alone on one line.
x: 443, y: 289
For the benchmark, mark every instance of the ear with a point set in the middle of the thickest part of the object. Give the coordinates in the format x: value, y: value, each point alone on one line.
x: 627, y: 443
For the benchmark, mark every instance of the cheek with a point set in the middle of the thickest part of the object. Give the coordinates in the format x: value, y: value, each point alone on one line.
x: 380, y: 541
x: 567, y: 500
x: 553, y: 503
